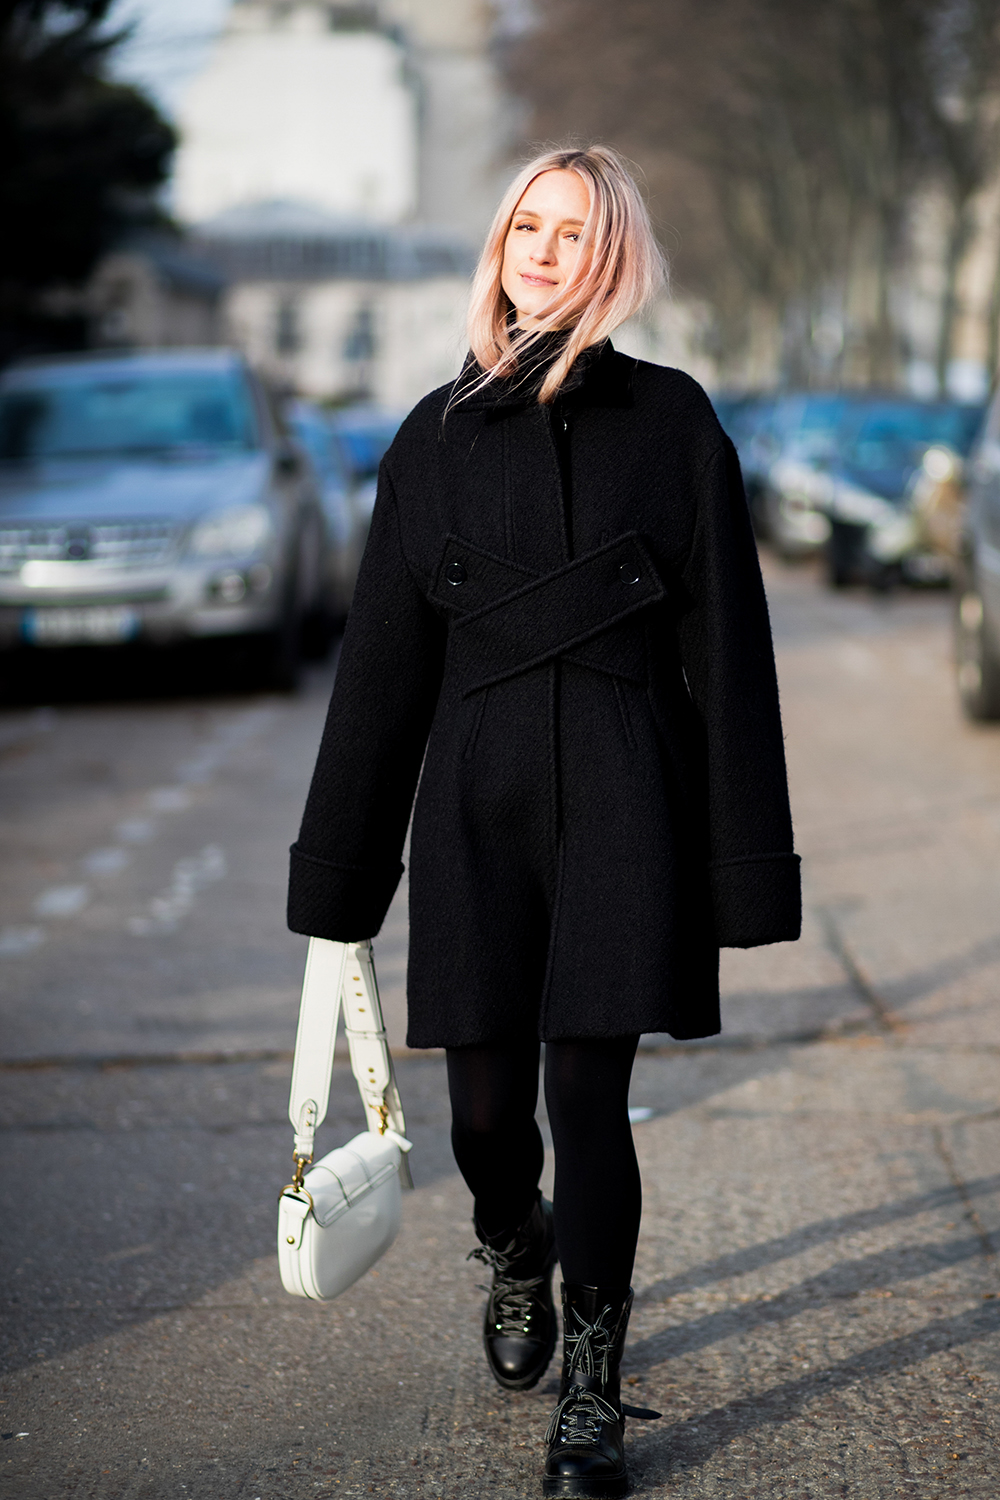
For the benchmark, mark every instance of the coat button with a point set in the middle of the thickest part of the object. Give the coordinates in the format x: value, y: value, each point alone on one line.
x: 629, y: 573
x: 455, y: 573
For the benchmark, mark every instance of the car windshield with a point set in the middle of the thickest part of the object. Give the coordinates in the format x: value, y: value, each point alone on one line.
x: 894, y: 435
x: 807, y: 425
x: 364, y: 442
x: 127, y: 414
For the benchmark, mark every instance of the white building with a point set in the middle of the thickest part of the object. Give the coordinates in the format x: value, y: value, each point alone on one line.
x: 388, y: 111
x: 339, y: 163
x: 338, y: 309
x: 297, y: 103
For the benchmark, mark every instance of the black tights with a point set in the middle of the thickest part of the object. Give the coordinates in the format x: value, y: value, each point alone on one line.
x: 498, y: 1147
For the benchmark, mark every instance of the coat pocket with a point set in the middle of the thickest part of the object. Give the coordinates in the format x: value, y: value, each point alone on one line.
x: 479, y: 710
x: 623, y: 712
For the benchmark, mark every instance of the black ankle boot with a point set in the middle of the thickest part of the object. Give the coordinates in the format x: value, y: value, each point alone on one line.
x: 519, y: 1330
x: 586, y: 1435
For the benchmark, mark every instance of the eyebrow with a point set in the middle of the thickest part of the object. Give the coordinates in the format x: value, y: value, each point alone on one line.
x: 529, y: 213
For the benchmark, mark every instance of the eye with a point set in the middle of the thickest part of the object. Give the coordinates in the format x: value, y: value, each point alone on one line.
x: 524, y: 226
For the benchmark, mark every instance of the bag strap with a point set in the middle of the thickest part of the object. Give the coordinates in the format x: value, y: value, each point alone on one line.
x: 371, y: 1062
x: 341, y: 973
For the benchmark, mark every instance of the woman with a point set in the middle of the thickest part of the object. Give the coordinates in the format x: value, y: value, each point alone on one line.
x: 560, y: 619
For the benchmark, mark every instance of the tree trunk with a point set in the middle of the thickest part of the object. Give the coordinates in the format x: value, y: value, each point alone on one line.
x: 958, y: 240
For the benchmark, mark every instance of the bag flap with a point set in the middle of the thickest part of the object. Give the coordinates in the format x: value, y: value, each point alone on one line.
x: 342, y: 1177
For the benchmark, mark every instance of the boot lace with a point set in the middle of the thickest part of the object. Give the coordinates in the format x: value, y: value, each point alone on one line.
x: 588, y: 1347
x: 579, y: 1417
x: 510, y: 1305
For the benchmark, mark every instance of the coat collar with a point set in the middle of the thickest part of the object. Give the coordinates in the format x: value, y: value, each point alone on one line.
x: 606, y: 380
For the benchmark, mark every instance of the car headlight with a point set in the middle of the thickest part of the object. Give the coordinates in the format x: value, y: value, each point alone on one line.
x: 893, y: 539
x: 237, y: 532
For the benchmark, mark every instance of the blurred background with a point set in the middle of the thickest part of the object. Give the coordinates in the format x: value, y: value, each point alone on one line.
x: 307, y: 182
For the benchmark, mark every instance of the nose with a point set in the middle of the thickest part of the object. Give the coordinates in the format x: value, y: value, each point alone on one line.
x: 543, y: 251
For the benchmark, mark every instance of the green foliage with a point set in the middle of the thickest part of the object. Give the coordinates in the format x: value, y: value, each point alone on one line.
x: 80, y: 156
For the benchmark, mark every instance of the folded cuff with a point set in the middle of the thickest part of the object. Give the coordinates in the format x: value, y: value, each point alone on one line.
x: 757, y: 901
x: 344, y: 903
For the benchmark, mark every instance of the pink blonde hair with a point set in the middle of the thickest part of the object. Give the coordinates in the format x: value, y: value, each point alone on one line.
x: 623, y: 270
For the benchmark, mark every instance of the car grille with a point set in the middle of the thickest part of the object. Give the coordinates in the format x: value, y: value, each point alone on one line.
x: 116, y: 544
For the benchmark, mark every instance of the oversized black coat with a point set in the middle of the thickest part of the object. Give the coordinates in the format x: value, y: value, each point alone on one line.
x: 560, y: 619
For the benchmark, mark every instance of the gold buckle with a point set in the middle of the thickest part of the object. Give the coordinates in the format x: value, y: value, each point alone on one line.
x: 301, y: 1162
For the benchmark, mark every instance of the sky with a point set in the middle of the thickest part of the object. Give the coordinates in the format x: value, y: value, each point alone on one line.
x: 170, y: 42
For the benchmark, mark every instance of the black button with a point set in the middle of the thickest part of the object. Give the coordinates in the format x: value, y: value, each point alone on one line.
x: 455, y: 573
x: 629, y: 573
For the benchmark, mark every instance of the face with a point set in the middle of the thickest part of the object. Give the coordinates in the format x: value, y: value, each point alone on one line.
x: 542, y: 249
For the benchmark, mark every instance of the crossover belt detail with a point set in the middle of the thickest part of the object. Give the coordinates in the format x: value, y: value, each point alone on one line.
x: 510, y: 620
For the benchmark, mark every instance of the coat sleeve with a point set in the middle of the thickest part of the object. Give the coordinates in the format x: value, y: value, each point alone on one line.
x: 728, y: 658
x: 346, y: 863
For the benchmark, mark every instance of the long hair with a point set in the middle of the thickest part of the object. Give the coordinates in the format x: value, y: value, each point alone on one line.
x: 620, y: 268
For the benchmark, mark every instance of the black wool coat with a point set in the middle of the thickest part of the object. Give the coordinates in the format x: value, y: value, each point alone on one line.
x: 560, y: 629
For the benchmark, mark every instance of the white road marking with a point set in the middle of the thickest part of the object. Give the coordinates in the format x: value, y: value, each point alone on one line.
x: 190, y: 876
x: 38, y: 722
x: 135, y: 830
x: 127, y: 1254
x: 169, y: 799
x: 61, y: 901
x: 17, y: 940
x: 197, y: 770
x: 105, y: 861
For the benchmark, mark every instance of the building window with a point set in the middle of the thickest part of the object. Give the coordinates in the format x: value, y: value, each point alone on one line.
x: 287, y: 336
x: 359, y: 344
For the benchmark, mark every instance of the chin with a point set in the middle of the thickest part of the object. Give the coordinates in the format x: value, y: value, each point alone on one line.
x: 534, y: 309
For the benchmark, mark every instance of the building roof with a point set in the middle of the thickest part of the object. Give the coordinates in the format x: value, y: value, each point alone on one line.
x: 288, y: 240
x: 174, y: 263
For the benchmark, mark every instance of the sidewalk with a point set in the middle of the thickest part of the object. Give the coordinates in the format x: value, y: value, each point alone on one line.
x: 818, y: 1292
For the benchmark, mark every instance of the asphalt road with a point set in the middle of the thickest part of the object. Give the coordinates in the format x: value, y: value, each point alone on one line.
x: 818, y: 1292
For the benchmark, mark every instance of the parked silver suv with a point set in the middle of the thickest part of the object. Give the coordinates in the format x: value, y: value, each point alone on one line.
x: 154, y: 497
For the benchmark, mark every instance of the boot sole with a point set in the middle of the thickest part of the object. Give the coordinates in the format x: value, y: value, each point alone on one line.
x: 598, y: 1489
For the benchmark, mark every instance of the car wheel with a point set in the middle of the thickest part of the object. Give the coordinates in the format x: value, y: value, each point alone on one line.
x: 319, y: 629
x: 838, y: 575
x: 277, y: 659
x: 840, y: 555
x: 977, y: 660
x: 884, y: 578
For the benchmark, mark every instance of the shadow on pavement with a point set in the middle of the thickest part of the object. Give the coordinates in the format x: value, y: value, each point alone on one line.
x: 113, y: 1221
x: 739, y: 1262
x: 690, y: 1444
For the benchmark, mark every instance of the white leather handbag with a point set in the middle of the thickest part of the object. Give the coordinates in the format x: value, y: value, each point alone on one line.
x: 338, y: 1218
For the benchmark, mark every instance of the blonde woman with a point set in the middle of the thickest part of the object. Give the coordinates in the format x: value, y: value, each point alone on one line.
x: 560, y: 629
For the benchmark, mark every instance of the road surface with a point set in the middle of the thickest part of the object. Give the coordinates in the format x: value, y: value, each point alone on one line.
x: 818, y: 1293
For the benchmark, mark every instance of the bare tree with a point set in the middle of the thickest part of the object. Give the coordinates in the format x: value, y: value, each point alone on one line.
x: 963, y: 79
x: 784, y: 143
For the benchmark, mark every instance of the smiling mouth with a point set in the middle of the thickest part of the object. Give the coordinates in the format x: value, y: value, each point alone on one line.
x: 536, y: 280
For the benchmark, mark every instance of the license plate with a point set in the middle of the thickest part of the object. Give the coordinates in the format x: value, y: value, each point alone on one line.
x: 95, y: 624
